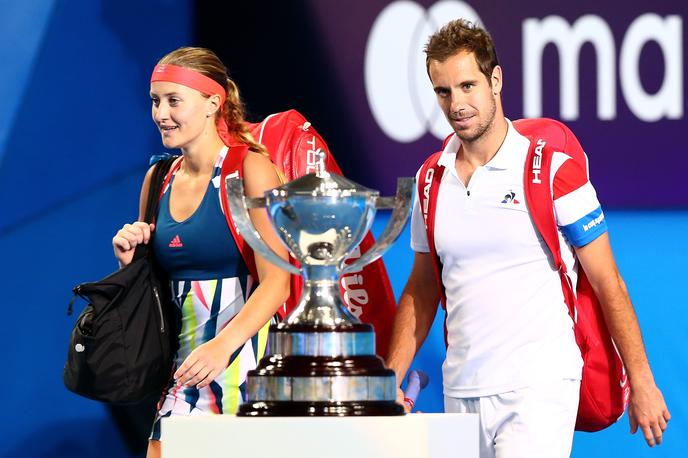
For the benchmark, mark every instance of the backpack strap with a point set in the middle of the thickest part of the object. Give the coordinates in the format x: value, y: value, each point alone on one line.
x: 538, y: 193
x: 233, y: 166
x: 428, y: 187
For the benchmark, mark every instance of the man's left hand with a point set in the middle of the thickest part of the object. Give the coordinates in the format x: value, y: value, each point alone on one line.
x: 647, y: 410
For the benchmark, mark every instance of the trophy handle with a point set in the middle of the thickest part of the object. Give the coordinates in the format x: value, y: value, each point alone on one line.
x: 401, y: 204
x: 238, y: 206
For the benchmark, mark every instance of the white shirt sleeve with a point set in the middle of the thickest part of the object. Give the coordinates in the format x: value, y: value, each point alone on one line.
x: 419, y: 237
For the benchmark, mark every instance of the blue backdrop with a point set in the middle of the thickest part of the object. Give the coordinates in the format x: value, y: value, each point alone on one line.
x: 75, y: 137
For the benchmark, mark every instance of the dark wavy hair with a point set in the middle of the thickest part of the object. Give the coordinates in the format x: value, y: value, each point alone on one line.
x: 462, y: 35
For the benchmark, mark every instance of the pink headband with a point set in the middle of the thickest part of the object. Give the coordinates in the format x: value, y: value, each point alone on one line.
x: 203, y: 84
x: 188, y: 78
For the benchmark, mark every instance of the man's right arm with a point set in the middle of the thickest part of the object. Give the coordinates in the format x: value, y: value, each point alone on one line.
x: 414, y: 317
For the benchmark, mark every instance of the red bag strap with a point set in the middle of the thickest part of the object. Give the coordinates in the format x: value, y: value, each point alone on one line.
x: 428, y: 187
x: 233, y: 166
x: 538, y: 193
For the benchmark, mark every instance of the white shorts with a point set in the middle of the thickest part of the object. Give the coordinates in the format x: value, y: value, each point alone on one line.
x: 531, y: 422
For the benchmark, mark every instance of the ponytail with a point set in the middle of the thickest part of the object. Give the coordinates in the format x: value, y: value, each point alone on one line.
x: 233, y: 113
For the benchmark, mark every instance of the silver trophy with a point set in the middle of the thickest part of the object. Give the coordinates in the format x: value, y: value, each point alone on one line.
x: 321, y: 359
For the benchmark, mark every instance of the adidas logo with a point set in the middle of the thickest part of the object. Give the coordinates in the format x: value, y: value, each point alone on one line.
x: 510, y: 198
x: 176, y: 242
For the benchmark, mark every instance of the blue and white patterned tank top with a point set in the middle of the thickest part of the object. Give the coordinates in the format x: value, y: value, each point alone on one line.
x: 210, y: 285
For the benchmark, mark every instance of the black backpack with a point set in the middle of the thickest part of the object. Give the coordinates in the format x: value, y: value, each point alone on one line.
x: 123, y: 343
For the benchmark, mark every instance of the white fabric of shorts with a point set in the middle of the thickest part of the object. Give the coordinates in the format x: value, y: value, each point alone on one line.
x: 532, y: 422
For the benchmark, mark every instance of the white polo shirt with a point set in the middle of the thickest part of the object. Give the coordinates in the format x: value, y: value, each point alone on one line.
x: 507, y: 322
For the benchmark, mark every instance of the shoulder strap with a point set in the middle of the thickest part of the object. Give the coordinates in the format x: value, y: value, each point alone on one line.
x: 233, y: 166
x: 159, y: 180
x: 428, y: 187
x: 154, y: 187
x: 539, y: 198
x: 539, y: 195
x: 176, y: 162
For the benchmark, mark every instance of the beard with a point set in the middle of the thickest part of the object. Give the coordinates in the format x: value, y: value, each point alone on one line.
x: 470, y: 136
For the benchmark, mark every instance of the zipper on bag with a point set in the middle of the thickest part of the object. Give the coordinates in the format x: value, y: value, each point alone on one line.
x: 159, y: 303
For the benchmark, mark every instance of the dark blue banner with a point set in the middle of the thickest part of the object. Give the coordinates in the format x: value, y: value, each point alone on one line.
x: 615, y: 75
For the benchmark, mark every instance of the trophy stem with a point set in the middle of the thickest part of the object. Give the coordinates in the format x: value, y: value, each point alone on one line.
x: 318, y: 273
x: 321, y: 304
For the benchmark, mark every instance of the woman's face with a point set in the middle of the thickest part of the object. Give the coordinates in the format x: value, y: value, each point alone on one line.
x: 181, y: 113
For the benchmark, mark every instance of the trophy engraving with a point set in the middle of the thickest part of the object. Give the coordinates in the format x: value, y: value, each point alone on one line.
x: 321, y: 358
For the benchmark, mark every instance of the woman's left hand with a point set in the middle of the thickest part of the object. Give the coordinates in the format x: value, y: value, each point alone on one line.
x: 203, y: 364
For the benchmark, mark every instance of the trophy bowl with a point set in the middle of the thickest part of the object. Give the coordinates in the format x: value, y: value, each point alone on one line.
x: 321, y: 359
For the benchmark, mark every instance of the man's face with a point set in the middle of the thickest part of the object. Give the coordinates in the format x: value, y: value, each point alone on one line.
x: 465, y: 95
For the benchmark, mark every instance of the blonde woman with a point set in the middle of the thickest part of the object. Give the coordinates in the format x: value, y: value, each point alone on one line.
x: 224, y: 311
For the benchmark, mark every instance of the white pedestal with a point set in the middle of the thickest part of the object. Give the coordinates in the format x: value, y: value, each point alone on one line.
x: 410, y: 436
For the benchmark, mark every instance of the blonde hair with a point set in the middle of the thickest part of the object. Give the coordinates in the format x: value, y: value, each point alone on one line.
x: 206, y: 62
